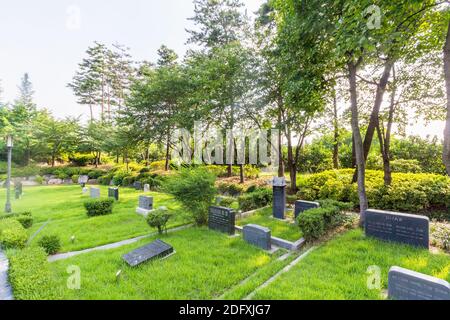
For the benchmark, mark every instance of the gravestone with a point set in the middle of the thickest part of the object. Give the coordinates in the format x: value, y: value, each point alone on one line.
x: 95, y: 193
x: 406, y: 284
x: 222, y: 219
x: 146, y: 188
x: 113, y: 193
x: 137, y: 185
x: 84, y: 190
x: 279, y: 198
x: 302, y: 206
x: 145, y: 205
x: 398, y: 227
x: 154, y: 250
x: 82, y: 180
x: 18, y: 188
x: 258, y: 236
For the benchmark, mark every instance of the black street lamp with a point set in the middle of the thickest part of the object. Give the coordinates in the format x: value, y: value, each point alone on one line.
x: 9, y: 146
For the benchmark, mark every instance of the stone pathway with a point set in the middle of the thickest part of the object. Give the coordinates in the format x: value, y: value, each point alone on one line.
x: 115, y: 245
x: 284, y: 270
x: 5, y: 288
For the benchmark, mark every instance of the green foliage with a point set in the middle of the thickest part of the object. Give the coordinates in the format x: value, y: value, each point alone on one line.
x: 24, y: 218
x: 82, y: 160
x: 29, y: 274
x: 440, y: 235
x: 12, y: 234
x: 195, y: 190
x: 226, y: 201
x: 50, y: 243
x: 255, y: 200
x: 99, y: 207
x: 408, y: 192
x: 230, y: 189
x: 406, y: 166
x: 158, y: 219
x: 39, y: 179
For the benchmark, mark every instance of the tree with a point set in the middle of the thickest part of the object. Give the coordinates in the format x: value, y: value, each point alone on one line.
x: 26, y: 92
x: 446, y: 154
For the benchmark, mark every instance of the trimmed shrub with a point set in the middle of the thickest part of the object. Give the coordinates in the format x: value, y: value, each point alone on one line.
x: 95, y: 174
x: 82, y: 160
x: 12, y: 234
x: 25, y: 220
x: 29, y: 274
x: 195, y: 190
x: 99, y: 207
x: 230, y: 189
x: 75, y: 178
x: 158, y: 219
x: 226, y: 202
x: 50, y: 243
x: 39, y: 179
x: 255, y: 200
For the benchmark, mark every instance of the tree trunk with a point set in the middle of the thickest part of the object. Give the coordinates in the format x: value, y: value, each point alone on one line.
x: 92, y: 112
x: 167, y: 163
x: 292, y: 166
x: 375, y: 115
x: 446, y: 156
x: 359, y: 152
x: 241, y: 174
x: 280, y: 147
x: 336, y: 134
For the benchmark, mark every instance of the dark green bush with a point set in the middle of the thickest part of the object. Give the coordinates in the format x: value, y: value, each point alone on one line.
x: 12, y: 234
x: 95, y: 174
x: 226, y: 202
x: 255, y: 200
x: 25, y: 219
x: 230, y: 189
x: 50, y: 243
x: 144, y: 170
x: 312, y: 224
x: 195, y: 190
x: 82, y: 160
x: 29, y: 274
x: 158, y: 219
x: 99, y: 207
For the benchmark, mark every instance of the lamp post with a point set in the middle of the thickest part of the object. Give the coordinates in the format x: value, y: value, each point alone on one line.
x: 9, y: 146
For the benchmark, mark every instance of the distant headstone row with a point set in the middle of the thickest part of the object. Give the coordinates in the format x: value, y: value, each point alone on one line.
x: 398, y: 227
x: 222, y: 219
x: 405, y: 284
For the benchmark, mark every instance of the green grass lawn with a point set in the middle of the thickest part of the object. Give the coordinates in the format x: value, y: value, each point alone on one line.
x: 63, y: 206
x: 280, y: 229
x: 206, y: 264
x: 338, y: 269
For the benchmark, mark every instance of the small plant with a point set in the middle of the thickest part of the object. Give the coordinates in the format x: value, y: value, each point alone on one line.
x: 50, y: 243
x: 25, y: 219
x: 99, y: 207
x: 159, y: 219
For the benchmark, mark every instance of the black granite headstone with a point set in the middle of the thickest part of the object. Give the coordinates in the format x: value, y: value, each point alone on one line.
x: 302, y: 206
x: 138, y: 185
x: 258, y: 236
x: 156, y: 249
x: 279, y: 202
x: 113, y: 193
x: 405, y: 284
x: 398, y: 227
x: 222, y: 219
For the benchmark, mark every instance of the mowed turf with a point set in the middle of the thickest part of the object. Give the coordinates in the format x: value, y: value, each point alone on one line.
x: 339, y: 269
x: 206, y: 264
x: 62, y: 207
x: 281, y: 229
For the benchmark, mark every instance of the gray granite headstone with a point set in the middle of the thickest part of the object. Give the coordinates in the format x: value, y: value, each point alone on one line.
x: 146, y: 203
x: 95, y: 193
x: 398, y: 227
x: 137, y: 185
x: 406, y: 284
x: 83, y: 179
x: 222, y: 219
x: 113, y: 193
x: 258, y: 236
x: 302, y: 206
x: 279, y: 198
x: 156, y: 249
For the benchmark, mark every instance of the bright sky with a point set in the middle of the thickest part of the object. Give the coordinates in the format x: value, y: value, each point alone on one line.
x: 48, y: 39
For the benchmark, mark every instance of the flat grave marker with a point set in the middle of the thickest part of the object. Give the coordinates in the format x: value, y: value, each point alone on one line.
x: 406, y: 284
x: 398, y: 227
x: 301, y: 206
x: 258, y: 236
x: 222, y: 219
x: 155, y: 250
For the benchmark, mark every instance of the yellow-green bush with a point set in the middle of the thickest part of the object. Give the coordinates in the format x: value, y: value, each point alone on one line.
x: 12, y: 234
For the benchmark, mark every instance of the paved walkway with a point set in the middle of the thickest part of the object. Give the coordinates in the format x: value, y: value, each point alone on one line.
x: 5, y: 288
x: 115, y: 245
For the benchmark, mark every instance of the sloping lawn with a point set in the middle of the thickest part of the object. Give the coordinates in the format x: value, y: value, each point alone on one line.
x: 338, y: 269
x: 280, y: 229
x: 63, y: 206
x: 205, y: 265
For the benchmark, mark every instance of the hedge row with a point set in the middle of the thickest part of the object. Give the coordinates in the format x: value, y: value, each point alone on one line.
x: 409, y: 192
x: 29, y: 274
x: 315, y: 223
x: 100, y: 207
x: 12, y: 234
x: 254, y: 200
